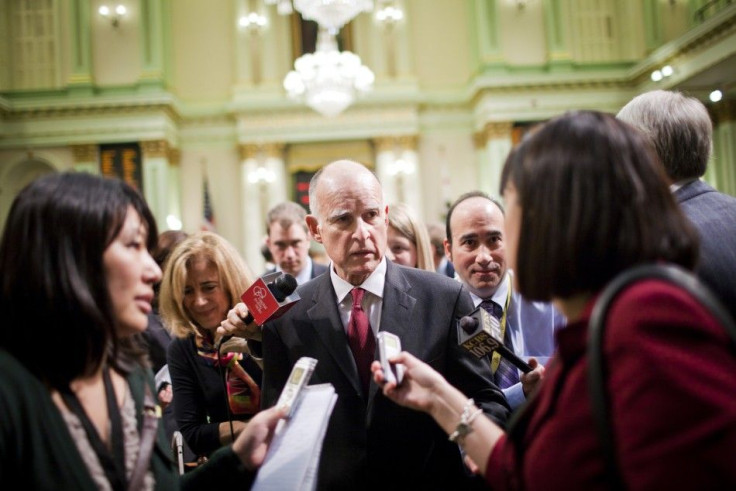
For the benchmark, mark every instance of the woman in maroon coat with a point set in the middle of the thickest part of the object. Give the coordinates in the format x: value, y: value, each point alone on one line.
x: 586, y: 199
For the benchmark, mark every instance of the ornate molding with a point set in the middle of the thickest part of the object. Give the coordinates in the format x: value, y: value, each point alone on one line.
x: 261, y: 150
x: 495, y: 131
x: 84, y: 153
x: 400, y: 142
x: 174, y: 157
x: 155, y: 149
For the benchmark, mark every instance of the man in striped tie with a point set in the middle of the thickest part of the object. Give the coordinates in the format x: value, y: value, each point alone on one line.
x: 475, y: 245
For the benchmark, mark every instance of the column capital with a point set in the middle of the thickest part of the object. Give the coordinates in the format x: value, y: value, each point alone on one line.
x: 496, y: 130
x: 155, y: 149
x: 174, y: 156
x: 273, y: 149
x: 84, y: 153
x: 396, y: 142
x: 263, y: 150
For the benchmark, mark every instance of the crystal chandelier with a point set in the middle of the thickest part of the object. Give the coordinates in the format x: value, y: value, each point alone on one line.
x: 332, y: 14
x: 328, y: 80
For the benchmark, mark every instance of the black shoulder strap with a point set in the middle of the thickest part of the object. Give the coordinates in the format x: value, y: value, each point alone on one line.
x: 597, y: 372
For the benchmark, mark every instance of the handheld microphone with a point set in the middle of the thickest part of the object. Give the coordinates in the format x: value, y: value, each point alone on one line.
x: 267, y: 298
x: 474, y: 334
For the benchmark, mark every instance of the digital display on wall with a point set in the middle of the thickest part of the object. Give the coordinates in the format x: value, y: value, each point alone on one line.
x: 124, y: 161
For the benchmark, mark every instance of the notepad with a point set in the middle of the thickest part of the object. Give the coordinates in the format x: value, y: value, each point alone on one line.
x: 292, y: 460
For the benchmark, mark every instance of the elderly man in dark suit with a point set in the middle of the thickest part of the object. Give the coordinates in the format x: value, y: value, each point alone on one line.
x: 682, y: 133
x: 288, y: 241
x: 371, y: 443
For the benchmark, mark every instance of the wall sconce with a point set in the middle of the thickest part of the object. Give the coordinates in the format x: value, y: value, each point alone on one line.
x: 664, y: 72
x: 401, y: 167
x: 261, y: 175
x: 389, y: 14
x: 253, y: 22
x: 715, y: 96
x: 114, y: 14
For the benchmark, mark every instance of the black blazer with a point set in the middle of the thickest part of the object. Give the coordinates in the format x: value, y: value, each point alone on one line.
x: 374, y: 443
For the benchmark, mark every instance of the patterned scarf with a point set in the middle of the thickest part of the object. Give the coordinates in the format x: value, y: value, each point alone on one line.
x: 243, y: 393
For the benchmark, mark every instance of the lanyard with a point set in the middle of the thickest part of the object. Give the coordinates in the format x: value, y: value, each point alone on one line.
x: 113, y: 464
x: 496, y: 359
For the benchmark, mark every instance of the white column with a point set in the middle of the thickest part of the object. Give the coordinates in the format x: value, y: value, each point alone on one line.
x: 273, y: 162
x: 252, y: 212
x: 384, y: 167
x: 408, y: 175
x: 498, y: 145
x: 174, y: 185
x: 397, y: 168
x: 156, y: 179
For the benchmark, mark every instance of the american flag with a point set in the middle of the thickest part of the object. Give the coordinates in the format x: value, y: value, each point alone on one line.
x: 208, y: 222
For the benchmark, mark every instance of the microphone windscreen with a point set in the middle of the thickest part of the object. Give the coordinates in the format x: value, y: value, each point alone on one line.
x: 469, y: 324
x: 285, y: 286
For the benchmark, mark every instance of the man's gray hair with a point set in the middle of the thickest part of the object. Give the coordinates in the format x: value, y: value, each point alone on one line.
x: 678, y: 126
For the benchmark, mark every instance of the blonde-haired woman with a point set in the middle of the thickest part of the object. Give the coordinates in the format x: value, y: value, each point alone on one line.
x: 214, y: 394
x: 408, y: 239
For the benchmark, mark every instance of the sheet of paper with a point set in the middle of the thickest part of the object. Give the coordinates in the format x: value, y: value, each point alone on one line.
x: 293, y: 457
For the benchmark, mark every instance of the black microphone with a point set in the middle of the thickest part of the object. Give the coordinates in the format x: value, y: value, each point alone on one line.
x: 480, y: 342
x: 265, y: 302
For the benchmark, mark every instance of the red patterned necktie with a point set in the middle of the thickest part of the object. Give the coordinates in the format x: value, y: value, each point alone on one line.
x: 361, y: 339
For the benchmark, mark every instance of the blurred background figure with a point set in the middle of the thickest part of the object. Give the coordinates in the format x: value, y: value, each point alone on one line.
x: 408, y: 240
x: 437, y: 235
x: 156, y: 336
x: 157, y: 340
x: 214, y: 394
x: 682, y: 133
x: 288, y: 241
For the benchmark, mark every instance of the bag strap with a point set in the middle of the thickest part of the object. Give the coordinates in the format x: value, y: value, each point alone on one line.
x: 148, y: 439
x: 597, y: 372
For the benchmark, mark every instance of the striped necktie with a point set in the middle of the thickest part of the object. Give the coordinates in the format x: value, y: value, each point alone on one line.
x: 506, y: 374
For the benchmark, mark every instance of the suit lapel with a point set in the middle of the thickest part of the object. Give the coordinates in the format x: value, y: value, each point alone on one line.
x: 398, y: 305
x: 328, y: 327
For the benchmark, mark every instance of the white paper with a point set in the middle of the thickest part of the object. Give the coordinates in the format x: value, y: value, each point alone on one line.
x: 293, y: 457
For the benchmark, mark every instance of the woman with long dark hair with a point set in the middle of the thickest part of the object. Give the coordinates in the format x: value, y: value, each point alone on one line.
x: 76, y: 391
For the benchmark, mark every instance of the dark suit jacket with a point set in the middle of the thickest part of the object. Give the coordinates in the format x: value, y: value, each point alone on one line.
x: 714, y: 215
x: 317, y: 269
x: 374, y: 443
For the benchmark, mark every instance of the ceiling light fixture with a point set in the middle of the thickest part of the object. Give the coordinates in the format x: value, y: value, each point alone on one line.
x: 332, y: 14
x: 328, y: 80
x: 715, y: 96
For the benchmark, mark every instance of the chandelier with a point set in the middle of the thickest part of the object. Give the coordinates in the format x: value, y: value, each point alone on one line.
x: 332, y: 14
x: 328, y: 79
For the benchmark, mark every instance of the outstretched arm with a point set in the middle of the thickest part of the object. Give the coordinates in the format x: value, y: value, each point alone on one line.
x: 426, y: 390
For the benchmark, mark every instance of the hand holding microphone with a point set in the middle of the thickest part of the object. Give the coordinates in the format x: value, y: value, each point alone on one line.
x: 267, y: 298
